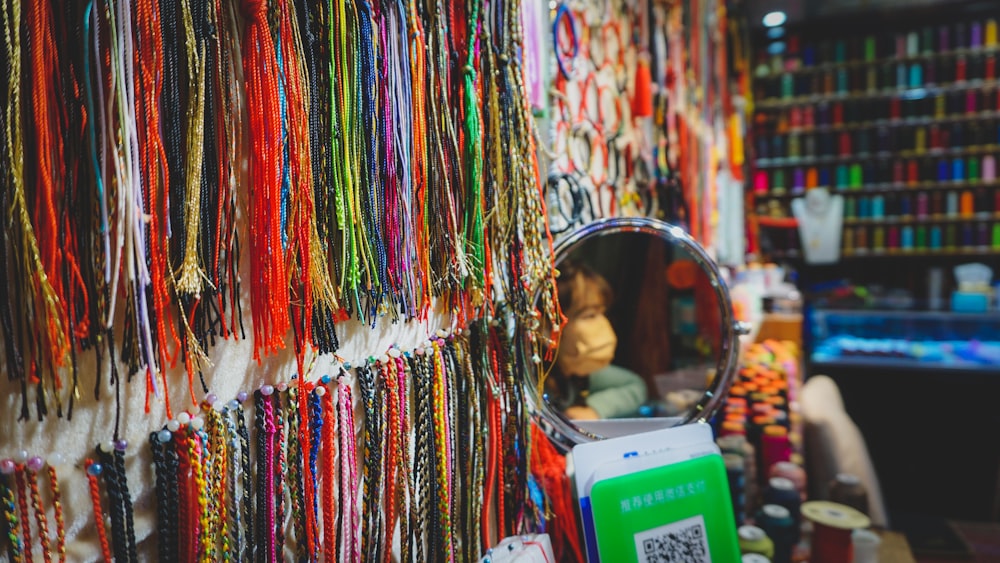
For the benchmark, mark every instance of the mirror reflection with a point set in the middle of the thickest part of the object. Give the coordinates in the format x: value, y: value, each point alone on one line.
x: 642, y: 333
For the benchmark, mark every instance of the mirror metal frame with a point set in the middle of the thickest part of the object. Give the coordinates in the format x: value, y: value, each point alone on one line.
x: 562, y: 430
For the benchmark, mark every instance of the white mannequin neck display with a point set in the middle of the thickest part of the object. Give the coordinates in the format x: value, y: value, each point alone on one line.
x: 821, y: 219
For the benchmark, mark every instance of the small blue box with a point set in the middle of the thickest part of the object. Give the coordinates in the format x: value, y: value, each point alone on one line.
x: 963, y: 302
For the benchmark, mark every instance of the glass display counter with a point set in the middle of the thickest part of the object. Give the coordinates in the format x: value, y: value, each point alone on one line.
x: 911, y: 340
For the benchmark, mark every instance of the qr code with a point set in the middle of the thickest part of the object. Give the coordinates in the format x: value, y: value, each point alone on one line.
x: 679, y: 542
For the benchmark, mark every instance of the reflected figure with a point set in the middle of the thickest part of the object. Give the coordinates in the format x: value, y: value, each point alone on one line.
x: 583, y: 384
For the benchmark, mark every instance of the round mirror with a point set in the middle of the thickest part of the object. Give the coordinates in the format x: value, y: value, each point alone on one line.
x: 649, y: 339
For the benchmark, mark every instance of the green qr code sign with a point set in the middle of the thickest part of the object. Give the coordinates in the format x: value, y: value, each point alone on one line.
x: 677, y: 513
x: 684, y: 541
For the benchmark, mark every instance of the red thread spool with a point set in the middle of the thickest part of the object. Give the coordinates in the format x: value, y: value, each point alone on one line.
x: 642, y: 101
x: 832, y: 527
x: 760, y: 182
x: 775, y: 445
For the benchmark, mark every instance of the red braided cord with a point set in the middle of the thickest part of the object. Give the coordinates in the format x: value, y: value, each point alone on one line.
x: 329, y: 453
x: 22, y: 504
x: 95, y: 499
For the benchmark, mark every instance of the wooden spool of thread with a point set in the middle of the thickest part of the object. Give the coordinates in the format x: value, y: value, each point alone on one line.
x: 753, y: 540
x: 832, y: 527
x: 847, y: 489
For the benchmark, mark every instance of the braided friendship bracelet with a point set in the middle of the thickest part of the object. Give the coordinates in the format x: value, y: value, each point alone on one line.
x: 426, y: 401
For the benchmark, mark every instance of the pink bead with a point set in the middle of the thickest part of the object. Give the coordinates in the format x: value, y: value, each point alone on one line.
x: 7, y: 466
x: 36, y: 464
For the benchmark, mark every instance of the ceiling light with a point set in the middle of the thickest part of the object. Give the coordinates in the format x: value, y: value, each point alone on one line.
x: 774, y: 19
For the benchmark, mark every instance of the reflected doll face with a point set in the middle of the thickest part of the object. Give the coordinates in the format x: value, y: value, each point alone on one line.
x: 588, y: 341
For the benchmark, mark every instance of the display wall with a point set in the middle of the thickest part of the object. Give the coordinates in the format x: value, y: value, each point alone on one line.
x: 273, y: 268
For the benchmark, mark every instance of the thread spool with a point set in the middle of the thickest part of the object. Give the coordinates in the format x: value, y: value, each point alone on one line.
x: 732, y: 428
x: 760, y: 182
x: 865, y: 544
x: 732, y: 445
x: 736, y: 477
x: 832, y: 526
x: 775, y: 445
x: 907, y: 238
x: 782, y: 492
x: 967, y: 204
x: 794, y: 473
x: 778, y: 524
x: 848, y: 490
x: 754, y: 541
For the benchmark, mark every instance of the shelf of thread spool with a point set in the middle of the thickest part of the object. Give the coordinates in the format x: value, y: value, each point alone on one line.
x: 925, y: 56
x: 902, y: 122
x: 861, y: 94
x: 896, y: 253
x: 787, y: 162
x: 911, y: 220
x: 876, y: 189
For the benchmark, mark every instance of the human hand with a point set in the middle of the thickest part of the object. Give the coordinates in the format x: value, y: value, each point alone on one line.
x: 582, y: 413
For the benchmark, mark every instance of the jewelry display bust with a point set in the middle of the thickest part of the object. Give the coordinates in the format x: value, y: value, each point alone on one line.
x: 821, y: 219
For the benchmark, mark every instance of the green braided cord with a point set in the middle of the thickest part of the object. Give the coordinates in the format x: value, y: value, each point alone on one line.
x: 475, y: 251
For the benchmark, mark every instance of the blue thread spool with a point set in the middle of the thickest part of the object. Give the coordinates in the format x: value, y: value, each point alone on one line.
x: 936, y: 237
x: 907, y: 236
x: 736, y: 476
x: 967, y: 236
x: 778, y: 146
x: 916, y: 75
x: 842, y: 85
x: 843, y: 178
x: 904, y: 205
x: 958, y: 170
x: 782, y: 492
x: 864, y: 208
x: 777, y: 523
x: 878, y: 207
x: 824, y: 177
x: 839, y: 51
x: 763, y: 148
x: 942, y: 175
x: 901, y: 75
